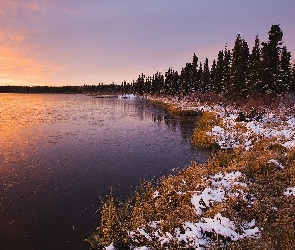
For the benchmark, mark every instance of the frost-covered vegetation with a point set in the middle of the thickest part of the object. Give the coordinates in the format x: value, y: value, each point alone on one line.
x: 242, y: 198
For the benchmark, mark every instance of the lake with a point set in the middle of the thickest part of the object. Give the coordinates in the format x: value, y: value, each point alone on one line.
x: 60, y: 153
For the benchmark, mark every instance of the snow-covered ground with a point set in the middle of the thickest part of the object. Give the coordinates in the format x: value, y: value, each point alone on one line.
x: 271, y: 124
x: 195, y: 234
x: 219, y: 187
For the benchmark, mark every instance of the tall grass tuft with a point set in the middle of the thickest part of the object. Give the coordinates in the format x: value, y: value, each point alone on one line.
x: 200, y: 136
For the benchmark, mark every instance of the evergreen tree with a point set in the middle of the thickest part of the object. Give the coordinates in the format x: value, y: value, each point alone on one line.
x: 285, y: 73
x: 255, y: 69
x: 186, y: 79
x: 227, y: 69
x: 148, y: 85
x: 213, y: 75
x: 292, y: 81
x: 206, y: 79
x: 239, y: 68
x: 200, y: 84
x: 271, y: 60
x: 167, y: 81
x: 195, y: 69
x: 219, y: 74
x: 171, y: 86
x: 139, y: 84
x: 175, y: 90
x: 158, y: 83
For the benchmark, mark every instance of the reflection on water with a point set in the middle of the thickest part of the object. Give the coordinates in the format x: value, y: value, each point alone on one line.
x: 59, y: 153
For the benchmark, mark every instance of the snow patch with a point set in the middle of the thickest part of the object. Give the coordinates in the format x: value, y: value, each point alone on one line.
x: 110, y: 247
x: 276, y: 163
x: 290, y: 191
x: 221, y: 187
x: 130, y: 96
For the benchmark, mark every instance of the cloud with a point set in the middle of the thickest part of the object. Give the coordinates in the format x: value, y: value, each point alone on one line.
x: 20, y: 69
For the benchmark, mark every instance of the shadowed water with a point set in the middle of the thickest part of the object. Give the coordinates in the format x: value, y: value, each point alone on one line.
x: 59, y: 153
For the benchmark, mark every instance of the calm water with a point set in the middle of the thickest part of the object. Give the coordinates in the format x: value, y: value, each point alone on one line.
x: 59, y: 153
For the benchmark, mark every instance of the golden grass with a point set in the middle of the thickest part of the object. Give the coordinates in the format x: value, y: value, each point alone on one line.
x: 168, y: 202
x: 200, y: 136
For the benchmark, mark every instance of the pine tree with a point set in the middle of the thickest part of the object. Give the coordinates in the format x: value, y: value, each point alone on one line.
x: 285, y: 73
x: 207, y: 83
x: 292, y: 81
x: 271, y: 60
x: 213, y: 75
x: 255, y: 86
x: 239, y: 68
x: 175, y: 83
x: 200, y: 84
x: 227, y: 69
x: 219, y: 74
x: 139, y: 84
x: 167, y: 81
x: 187, y: 84
x: 195, y: 67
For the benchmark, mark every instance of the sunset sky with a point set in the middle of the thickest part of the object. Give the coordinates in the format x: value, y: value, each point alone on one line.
x: 75, y: 42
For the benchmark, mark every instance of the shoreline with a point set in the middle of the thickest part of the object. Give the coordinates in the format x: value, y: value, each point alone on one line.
x: 242, y: 198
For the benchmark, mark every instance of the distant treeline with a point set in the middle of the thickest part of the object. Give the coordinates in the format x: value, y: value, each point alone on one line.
x: 83, y: 89
x: 236, y: 73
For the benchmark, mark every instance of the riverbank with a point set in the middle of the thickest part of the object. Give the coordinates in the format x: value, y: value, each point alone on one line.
x: 242, y: 198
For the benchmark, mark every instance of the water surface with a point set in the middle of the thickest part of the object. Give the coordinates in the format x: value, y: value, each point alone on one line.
x: 60, y: 153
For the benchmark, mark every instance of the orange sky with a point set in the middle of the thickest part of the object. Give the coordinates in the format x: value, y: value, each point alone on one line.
x: 74, y: 42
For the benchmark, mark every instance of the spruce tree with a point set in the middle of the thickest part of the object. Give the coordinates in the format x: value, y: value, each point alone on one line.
x: 139, y: 84
x: 187, y: 84
x: 227, y: 69
x: 285, y: 73
x: 239, y: 68
x: 219, y: 74
x: 292, y: 81
x: 207, y: 83
x: 255, y: 86
x: 200, y: 85
x: 271, y: 60
x: 213, y: 75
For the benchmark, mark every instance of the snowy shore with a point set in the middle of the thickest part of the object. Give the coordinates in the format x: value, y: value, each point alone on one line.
x: 231, y: 200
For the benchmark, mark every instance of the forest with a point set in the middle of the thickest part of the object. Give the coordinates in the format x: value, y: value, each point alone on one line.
x: 236, y: 73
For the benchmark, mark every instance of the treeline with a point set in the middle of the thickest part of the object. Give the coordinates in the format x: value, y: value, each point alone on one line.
x: 83, y: 89
x: 237, y: 73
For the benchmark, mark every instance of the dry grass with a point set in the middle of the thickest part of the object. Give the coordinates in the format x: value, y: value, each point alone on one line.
x: 168, y: 203
x: 200, y: 137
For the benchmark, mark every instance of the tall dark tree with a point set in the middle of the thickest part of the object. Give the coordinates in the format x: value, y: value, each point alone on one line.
x: 213, y: 75
x: 219, y: 74
x: 206, y: 79
x: 168, y: 81
x: 285, y: 73
x: 139, y: 84
x: 200, y: 84
x: 292, y: 81
x: 227, y: 69
x: 195, y: 67
x: 255, y: 86
x: 175, y: 88
x: 239, y: 68
x: 271, y: 60
x: 186, y: 79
